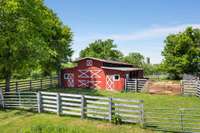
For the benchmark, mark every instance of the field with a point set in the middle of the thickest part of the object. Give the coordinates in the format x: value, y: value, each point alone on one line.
x: 13, y: 121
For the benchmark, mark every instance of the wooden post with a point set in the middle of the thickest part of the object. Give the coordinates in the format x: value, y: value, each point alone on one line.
x: 142, y: 114
x: 51, y: 85
x: 39, y: 102
x: 30, y: 85
x: 58, y: 104
x: 136, y: 85
x: 125, y: 84
x: 19, y: 100
x: 181, y: 84
x: 2, y: 98
x: 181, y: 120
x: 110, y: 107
x: 41, y: 84
x: 83, y: 107
x: 16, y: 86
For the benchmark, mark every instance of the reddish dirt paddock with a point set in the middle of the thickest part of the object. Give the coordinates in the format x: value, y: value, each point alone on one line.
x: 164, y: 87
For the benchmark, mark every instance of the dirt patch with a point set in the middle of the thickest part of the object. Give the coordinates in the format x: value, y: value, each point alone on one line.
x: 164, y: 87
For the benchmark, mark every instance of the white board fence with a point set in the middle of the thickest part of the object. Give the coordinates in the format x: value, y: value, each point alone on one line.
x: 84, y: 106
x: 191, y: 87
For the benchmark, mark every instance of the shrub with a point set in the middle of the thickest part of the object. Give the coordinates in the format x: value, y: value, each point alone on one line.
x: 116, y: 119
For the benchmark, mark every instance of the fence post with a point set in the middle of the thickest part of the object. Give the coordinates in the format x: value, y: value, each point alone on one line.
x: 41, y: 84
x: 83, y: 107
x: 110, y: 108
x: 2, y: 98
x: 58, y: 104
x: 30, y: 84
x: 19, y: 100
x: 142, y: 113
x: 136, y: 86
x: 125, y: 81
x: 51, y: 81
x: 16, y: 86
x: 181, y: 120
x: 39, y: 102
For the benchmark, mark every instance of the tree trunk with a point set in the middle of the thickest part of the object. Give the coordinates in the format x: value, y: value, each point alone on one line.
x: 7, y: 84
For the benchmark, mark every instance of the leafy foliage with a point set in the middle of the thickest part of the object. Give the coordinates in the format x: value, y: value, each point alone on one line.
x: 31, y: 36
x: 102, y: 49
x: 182, y: 53
x: 134, y: 58
x: 137, y: 59
x: 116, y: 119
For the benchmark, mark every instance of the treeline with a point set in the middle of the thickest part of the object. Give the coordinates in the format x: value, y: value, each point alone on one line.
x: 181, y: 54
x: 106, y: 49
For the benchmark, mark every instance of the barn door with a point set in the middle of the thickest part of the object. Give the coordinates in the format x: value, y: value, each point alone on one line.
x: 70, y: 80
x: 109, y: 82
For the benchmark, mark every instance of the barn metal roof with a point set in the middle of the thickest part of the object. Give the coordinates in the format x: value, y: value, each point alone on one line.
x: 123, y: 68
x: 108, y: 61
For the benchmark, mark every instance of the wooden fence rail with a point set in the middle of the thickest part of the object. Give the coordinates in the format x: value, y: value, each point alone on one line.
x: 30, y: 85
x: 84, y: 106
x: 191, y: 87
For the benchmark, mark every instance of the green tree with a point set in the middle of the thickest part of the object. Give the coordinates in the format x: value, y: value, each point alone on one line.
x: 60, y: 44
x: 29, y: 37
x: 135, y: 59
x: 182, y: 53
x: 102, y: 49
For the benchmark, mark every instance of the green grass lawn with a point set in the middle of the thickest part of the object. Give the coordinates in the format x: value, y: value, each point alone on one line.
x: 19, y: 121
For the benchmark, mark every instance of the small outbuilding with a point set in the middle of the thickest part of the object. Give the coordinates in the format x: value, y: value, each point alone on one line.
x: 99, y: 73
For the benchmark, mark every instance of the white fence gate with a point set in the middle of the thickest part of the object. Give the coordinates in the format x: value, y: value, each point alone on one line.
x: 135, y: 85
x: 191, y: 87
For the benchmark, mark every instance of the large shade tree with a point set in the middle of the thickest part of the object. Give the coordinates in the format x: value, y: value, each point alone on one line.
x: 182, y: 53
x: 102, y: 49
x: 30, y: 36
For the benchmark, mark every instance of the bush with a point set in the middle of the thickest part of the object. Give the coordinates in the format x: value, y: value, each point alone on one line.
x: 116, y: 119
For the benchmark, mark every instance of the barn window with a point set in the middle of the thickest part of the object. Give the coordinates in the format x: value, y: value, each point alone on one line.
x: 66, y: 76
x: 89, y: 62
x: 116, y: 77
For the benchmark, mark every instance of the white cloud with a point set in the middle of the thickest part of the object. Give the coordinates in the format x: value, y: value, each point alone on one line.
x: 152, y: 33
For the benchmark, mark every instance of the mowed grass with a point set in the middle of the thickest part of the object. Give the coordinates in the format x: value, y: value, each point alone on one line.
x: 150, y: 100
x: 19, y: 121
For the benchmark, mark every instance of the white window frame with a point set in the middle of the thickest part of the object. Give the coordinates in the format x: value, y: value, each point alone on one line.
x: 66, y: 75
x: 116, y: 75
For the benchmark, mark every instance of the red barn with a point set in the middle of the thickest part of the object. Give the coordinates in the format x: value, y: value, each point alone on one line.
x: 99, y: 73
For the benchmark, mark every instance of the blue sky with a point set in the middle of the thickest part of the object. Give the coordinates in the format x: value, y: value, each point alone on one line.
x: 135, y: 26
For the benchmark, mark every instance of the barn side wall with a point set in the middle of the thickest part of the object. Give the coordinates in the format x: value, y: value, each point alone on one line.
x: 93, y: 76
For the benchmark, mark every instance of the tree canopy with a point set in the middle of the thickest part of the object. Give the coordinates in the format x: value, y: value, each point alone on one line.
x: 102, y: 49
x: 182, y: 52
x: 31, y: 36
x: 134, y: 58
